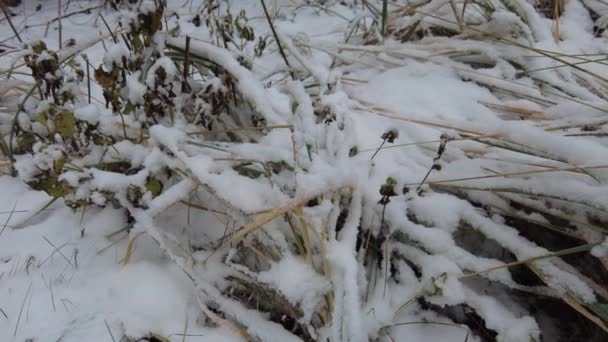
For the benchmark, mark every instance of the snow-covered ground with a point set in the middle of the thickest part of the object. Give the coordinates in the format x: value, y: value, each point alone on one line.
x: 364, y: 114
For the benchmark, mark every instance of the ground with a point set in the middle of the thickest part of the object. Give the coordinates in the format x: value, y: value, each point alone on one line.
x: 406, y: 183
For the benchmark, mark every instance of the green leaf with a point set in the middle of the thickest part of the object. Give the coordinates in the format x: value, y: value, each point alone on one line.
x: 51, y: 186
x: 138, y: 45
x: 25, y: 142
x: 154, y: 186
x: 174, y: 32
x: 106, y: 79
x: 68, y: 96
x: 39, y: 46
x: 294, y: 107
x: 65, y: 124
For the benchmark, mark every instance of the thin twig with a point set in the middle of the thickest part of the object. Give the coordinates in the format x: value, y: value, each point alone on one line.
x: 21, y: 310
x: 186, y: 62
x: 8, y: 219
x: 435, y: 166
x: 384, y: 17
x: 60, y: 26
x: 10, y: 22
x: 58, y: 251
x: 109, y: 29
x: 109, y: 331
x: 85, y: 11
x: 567, y: 251
x: 522, y: 173
x: 50, y: 287
x: 88, y: 78
x: 185, y: 327
x: 276, y: 37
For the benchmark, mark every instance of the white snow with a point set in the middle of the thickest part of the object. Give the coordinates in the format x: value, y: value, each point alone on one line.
x: 298, y: 282
x: 513, y: 138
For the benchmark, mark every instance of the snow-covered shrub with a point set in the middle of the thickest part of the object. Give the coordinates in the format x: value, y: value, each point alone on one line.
x: 322, y: 235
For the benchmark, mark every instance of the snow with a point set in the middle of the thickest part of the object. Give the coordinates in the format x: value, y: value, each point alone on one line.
x: 170, y: 72
x: 116, y: 56
x: 134, y: 90
x: 64, y: 274
x: 298, y: 282
x: 75, y: 299
x: 88, y: 113
x: 246, y: 81
x: 600, y: 251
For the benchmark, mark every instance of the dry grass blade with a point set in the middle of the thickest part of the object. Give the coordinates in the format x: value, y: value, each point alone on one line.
x: 21, y: 309
x: 8, y: 164
x: 578, y: 249
x: 221, y: 321
x: 130, y: 248
x: 200, y: 207
x: 599, y: 61
x: 526, y: 192
x: 296, y: 237
x: 8, y: 219
x: 305, y: 235
x: 562, y: 216
x: 522, y: 173
x: 580, y: 308
x: 494, y: 140
x: 521, y: 112
x: 263, y: 219
x: 59, y: 251
x: 521, y: 84
x: 379, y: 111
x: 111, y: 245
x: 548, y: 54
x: 109, y: 330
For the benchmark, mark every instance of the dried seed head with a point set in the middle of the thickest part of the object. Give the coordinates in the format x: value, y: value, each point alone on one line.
x: 390, y: 135
x: 387, y: 190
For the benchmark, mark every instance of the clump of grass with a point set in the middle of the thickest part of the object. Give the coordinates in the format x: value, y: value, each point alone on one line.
x: 200, y: 104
